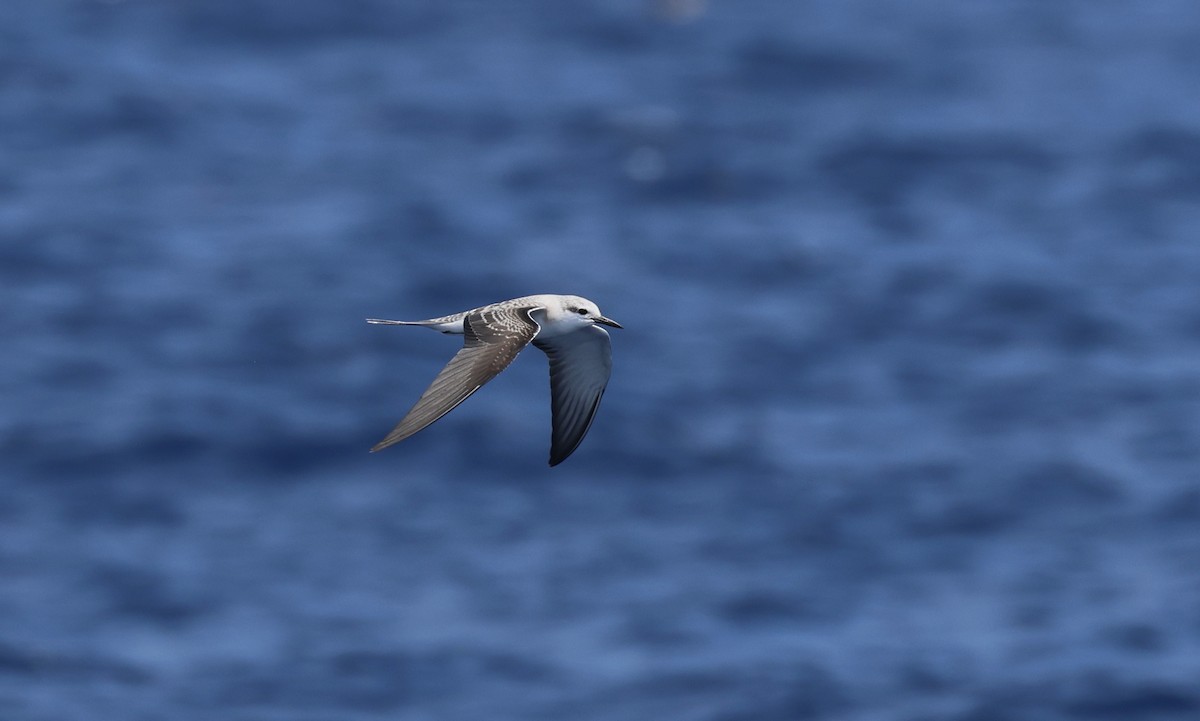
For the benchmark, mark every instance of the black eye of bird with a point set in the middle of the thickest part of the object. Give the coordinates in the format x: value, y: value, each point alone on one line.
x: 581, y: 311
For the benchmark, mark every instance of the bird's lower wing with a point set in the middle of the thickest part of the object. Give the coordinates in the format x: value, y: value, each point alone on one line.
x: 493, y: 340
x: 580, y: 364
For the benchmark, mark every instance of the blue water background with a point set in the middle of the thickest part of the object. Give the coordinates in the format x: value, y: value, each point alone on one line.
x: 904, y: 424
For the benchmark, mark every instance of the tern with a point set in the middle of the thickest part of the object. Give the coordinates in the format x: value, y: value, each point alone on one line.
x: 564, y: 327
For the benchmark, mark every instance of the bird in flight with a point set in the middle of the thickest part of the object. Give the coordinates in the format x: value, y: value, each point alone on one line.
x: 564, y: 327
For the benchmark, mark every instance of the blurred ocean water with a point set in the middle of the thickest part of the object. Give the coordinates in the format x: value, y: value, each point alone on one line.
x: 904, y: 424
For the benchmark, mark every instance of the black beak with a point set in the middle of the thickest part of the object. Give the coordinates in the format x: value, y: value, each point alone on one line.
x: 607, y: 321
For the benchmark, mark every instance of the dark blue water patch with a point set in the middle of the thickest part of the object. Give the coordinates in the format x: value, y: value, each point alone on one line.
x: 885, y: 175
x: 373, y: 680
x: 940, y: 501
x: 1068, y: 489
x: 955, y: 506
x: 933, y: 311
x: 782, y: 692
x: 606, y: 30
x: 83, y: 105
x: 482, y: 125
x: 1157, y: 165
x: 783, y: 275
x: 28, y: 663
x: 780, y: 66
x: 414, y: 231
x: 1152, y: 181
x: 936, y: 672
x: 1105, y: 697
x: 1012, y: 311
x: 141, y: 595
x: 693, y: 174
x: 88, y: 459
x: 701, y: 161
x: 1040, y: 398
x: 262, y: 23
x: 10, y: 186
x: 882, y: 171
x: 27, y: 254
x: 429, y: 292
x: 94, y: 501
x: 764, y: 610
x: 1038, y: 615
x: 1084, y: 695
x: 1000, y: 710
x: 1183, y: 508
x: 79, y: 375
x: 1143, y: 638
x: 148, y: 119
x: 1169, y: 435
x: 658, y: 628
x: 278, y: 459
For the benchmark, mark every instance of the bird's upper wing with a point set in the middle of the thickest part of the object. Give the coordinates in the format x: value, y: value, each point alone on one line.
x: 494, y: 337
x: 580, y: 364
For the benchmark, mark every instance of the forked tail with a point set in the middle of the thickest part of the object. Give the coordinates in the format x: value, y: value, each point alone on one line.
x: 381, y: 321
